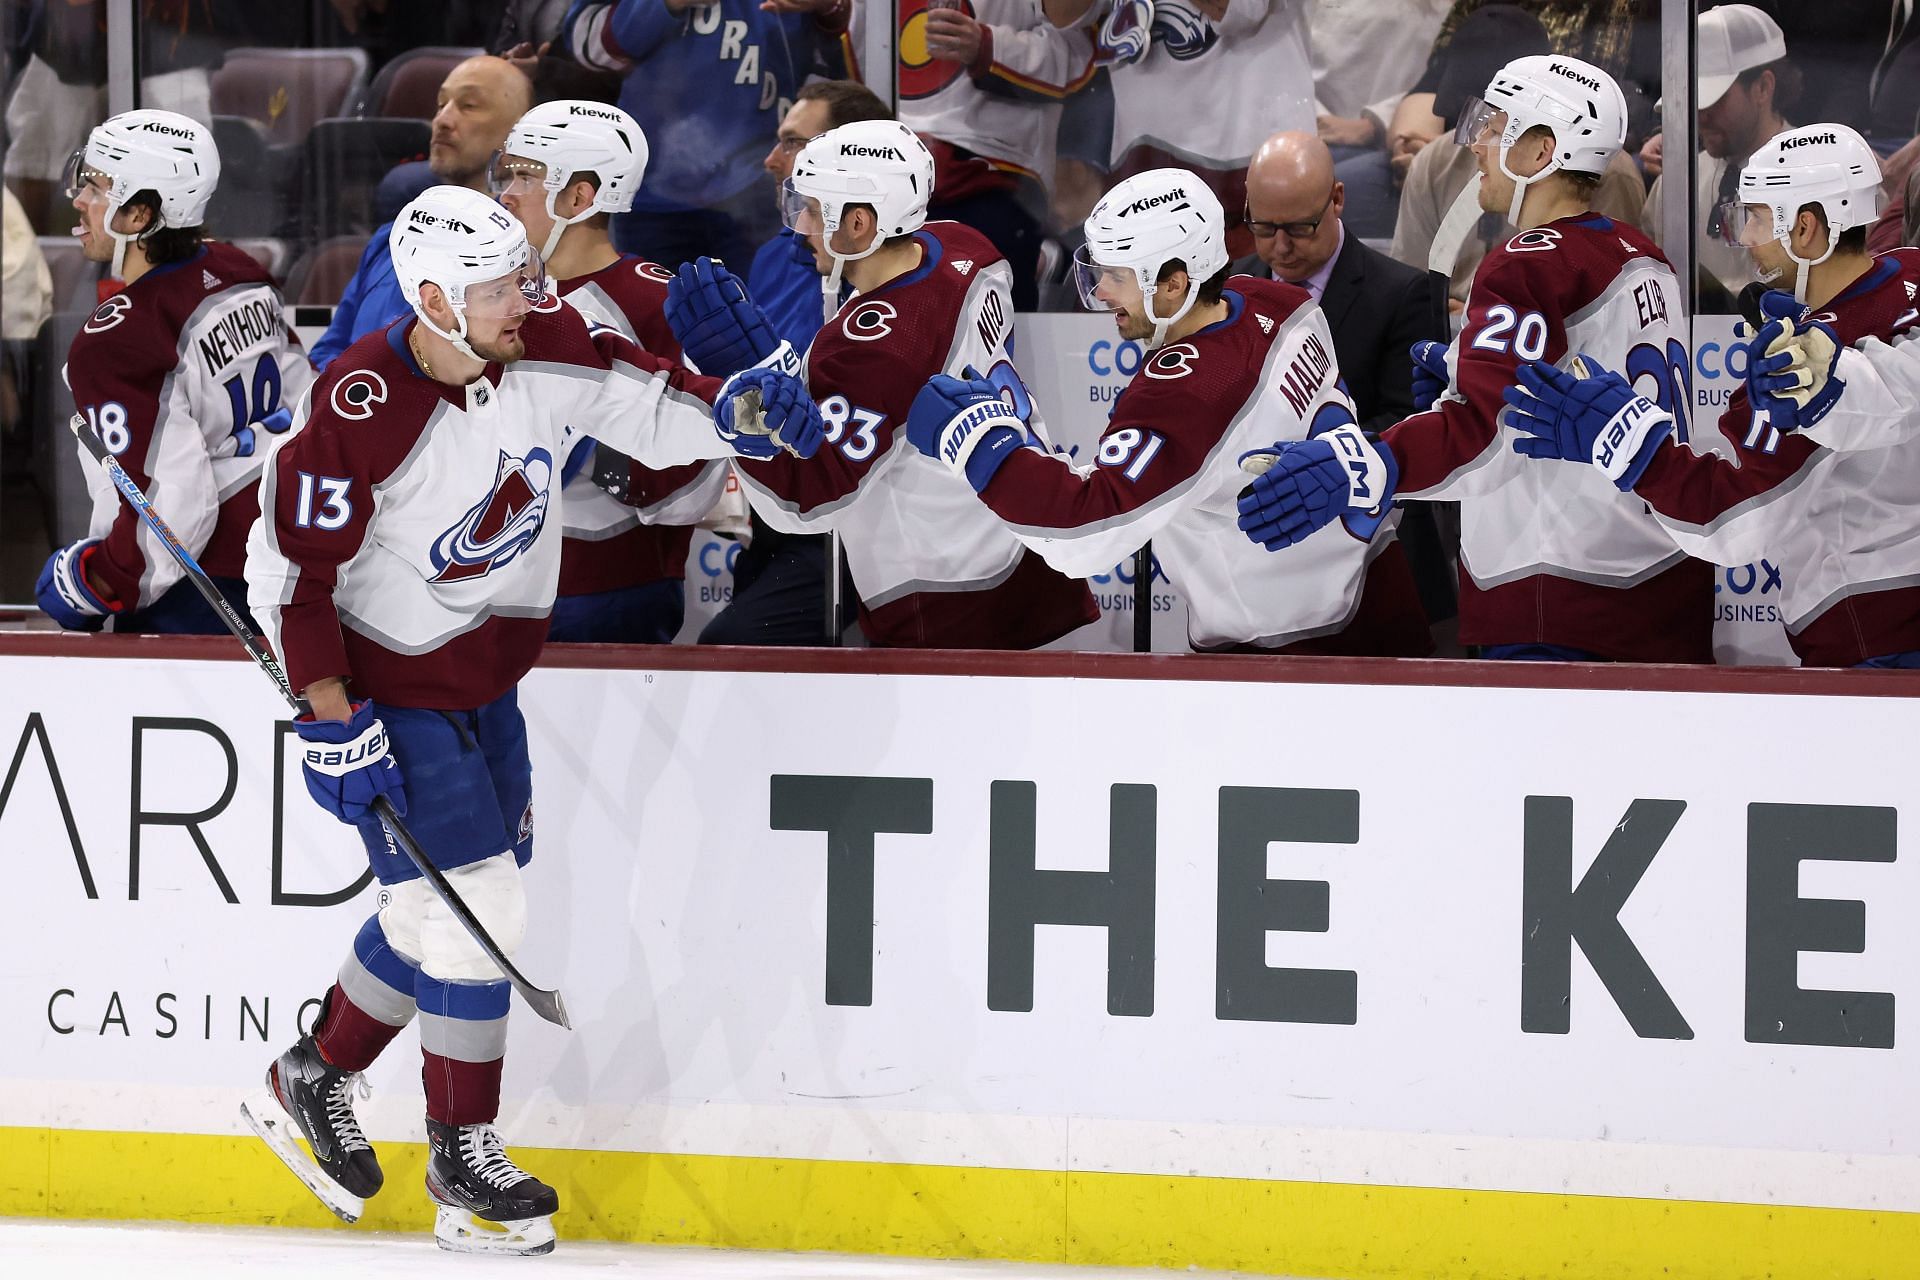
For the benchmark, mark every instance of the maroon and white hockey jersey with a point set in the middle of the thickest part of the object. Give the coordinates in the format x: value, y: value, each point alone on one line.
x: 184, y: 374
x: 611, y: 544
x: 405, y: 540
x: 1558, y: 555
x: 933, y: 568
x: 1842, y: 527
x: 1167, y: 468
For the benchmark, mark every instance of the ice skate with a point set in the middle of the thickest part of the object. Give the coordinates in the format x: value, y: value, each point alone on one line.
x: 487, y: 1203
x: 308, y: 1095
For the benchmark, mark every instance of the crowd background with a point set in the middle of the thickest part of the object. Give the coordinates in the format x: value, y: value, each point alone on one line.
x: 1325, y: 125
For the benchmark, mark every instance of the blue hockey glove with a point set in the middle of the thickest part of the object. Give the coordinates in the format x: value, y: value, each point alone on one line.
x: 1589, y: 415
x: 63, y: 592
x: 717, y: 324
x: 1430, y: 376
x: 1791, y: 368
x: 1301, y: 486
x: 348, y: 765
x: 761, y: 411
x: 965, y: 423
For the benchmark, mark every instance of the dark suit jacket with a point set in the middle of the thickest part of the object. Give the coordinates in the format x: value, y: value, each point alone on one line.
x: 1377, y: 308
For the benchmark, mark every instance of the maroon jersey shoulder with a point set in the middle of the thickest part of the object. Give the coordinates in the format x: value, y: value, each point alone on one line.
x: 1200, y: 384
x: 887, y: 343
x: 639, y: 288
x: 371, y: 402
x: 1882, y: 303
x: 1561, y: 267
x: 138, y: 329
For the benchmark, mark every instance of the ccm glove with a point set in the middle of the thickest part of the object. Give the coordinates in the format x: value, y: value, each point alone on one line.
x: 716, y: 323
x: 1430, y: 376
x: 1791, y: 369
x: 1590, y: 415
x: 63, y: 592
x: 347, y: 766
x: 1301, y: 486
x: 759, y: 412
x: 965, y: 423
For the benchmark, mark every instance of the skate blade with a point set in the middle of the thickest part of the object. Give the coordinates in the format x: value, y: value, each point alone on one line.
x: 458, y: 1231
x: 264, y: 1116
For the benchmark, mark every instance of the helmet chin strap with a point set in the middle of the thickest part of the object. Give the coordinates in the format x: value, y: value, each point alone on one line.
x: 459, y: 336
x: 559, y: 226
x: 1803, y: 266
x: 830, y: 284
x: 1160, y: 326
x: 1521, y: 184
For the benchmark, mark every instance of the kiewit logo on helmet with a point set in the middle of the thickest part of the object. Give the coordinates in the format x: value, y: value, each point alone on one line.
x: 1788, y: 144
x: 597, y: 113
x: 1562, y: 69
x: 155, y: 126
x: 421, y: 218
x: 1149, y: 202
x: 875, y: 153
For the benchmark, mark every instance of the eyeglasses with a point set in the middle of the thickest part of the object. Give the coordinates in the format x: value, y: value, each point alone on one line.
x: 792, y: 146
x: 1293, y: 230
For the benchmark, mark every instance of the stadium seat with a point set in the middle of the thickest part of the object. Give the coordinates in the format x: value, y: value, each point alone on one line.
x: 286, y: 90
x: 410, y: 84
x: 341, y: 168
x: 321, y: 274
x: 268, y: 252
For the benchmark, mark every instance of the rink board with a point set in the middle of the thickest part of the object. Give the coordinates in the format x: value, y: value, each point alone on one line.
x: 1319, y: 1031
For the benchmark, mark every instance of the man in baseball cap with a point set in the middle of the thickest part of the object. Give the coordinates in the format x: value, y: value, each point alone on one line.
x: 1745, y: 83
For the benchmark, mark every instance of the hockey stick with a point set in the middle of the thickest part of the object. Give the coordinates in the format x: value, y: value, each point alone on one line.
x: 547, y: 1004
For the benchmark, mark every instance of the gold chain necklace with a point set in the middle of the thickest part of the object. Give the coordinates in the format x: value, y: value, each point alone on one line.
x: 414, y: 347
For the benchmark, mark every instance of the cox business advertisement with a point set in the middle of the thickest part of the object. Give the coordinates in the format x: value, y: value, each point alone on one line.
x: 1320, y: 979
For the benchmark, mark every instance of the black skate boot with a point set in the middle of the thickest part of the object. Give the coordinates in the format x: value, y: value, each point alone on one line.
x: 487, y: 1203
x: 318, y: 1097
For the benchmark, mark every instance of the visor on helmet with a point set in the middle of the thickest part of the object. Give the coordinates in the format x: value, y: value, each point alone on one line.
x: 1479, y: 121
x: 1090, y: 276
x: 515, y: 175
x: 800, y: 213
x: 513, y: 294
x: 81, y: 176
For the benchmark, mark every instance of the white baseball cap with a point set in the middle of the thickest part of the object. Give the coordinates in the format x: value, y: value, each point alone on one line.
x: 1734, y: 38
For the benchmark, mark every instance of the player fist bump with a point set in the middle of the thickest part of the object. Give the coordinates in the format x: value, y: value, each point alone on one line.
x: 716, y: 323
x: 1791, y: 370
x: 964, y: 423
x: 63, y: 592
x: 1301, y: 486
x: 348, y: 765
x: 1589, y: 415
x: 761, y: 411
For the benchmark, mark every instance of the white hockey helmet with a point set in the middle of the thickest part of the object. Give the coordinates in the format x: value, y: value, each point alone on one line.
x: 1145, y: 222
x: 878, y: 163
x: 148, y: 150
x: 1828, y: 165
x: 473, y: 250
x: 567, y: 138
x: 1576, y: 100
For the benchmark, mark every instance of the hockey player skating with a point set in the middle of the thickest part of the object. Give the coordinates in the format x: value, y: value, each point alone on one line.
x: 1842, y: 524
x: 186, y: 374
x: 1555, y: 562
x: 567, y: 167
x: 404, y: 565
x: 932, y: 568
x: 1231, y: 361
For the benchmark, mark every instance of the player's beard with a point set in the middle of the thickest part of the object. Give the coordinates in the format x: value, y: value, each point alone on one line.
x: 501, y: 350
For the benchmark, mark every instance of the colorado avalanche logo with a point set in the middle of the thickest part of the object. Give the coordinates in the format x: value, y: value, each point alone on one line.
x: 495, y: 530
x: 1183, y: 32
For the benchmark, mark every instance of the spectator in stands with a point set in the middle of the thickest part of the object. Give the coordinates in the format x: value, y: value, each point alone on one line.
x: 61, y: 93
x: 26, y: 299
x: 1204, y: 88
x: 1439, y: 173
x: 1621, y: 37
x: 479, y: 101
x: 1366, y: 55
x: 780, y: 579
x: 1745, y: 83
x: 983, y: 91
x: 709, y: 84
x: 1376, y: 308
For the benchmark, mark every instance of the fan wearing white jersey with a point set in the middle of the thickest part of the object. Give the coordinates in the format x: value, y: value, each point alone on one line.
x: 566, y: 168
x: 1555, y: 562
x: 932, y: 568
x: 1232, y: 362
x: 404, y: 567
x: 1842, y: 525
x: 186, y: 372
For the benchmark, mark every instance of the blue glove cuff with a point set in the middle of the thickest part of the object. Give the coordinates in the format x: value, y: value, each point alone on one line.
x: 993, y: 449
